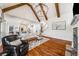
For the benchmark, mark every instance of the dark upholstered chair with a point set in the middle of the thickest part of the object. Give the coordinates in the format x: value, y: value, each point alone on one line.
x: 19, y: 50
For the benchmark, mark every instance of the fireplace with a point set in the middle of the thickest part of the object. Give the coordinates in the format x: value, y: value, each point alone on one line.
x: 75, y: 41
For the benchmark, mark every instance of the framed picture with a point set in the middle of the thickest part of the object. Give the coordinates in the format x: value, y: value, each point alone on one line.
x: 59, y: 25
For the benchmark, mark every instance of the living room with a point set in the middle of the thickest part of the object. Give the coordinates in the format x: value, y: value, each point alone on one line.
x: 36, y: 24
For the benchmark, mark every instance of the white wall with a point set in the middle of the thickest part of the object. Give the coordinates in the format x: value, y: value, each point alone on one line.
x: 12, y: 18
x: 14, y: 21
x: 65, y: 15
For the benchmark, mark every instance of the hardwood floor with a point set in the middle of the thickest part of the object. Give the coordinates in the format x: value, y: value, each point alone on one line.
x: 53, y: 47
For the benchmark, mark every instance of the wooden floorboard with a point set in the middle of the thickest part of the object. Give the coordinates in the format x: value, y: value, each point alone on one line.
x: 52, y: 47
x: 58, y: 40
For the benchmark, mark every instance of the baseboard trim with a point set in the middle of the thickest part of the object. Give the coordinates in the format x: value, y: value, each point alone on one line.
x: 68, y: 42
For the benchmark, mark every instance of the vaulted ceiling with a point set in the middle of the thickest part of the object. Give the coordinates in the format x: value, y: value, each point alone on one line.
x: 10, y: 7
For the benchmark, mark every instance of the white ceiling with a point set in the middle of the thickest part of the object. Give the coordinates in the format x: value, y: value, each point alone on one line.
x: 4, y: 5
x: 23, y: 12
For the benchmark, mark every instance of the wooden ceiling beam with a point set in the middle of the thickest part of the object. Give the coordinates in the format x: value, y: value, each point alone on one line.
x: 57, y: 9
x: 12, y: 7
x: 19, y: 5
x: 34, y: 12
x: 41, y: 6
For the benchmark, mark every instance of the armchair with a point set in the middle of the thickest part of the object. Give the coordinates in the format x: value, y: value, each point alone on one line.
x: 14, y: 46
